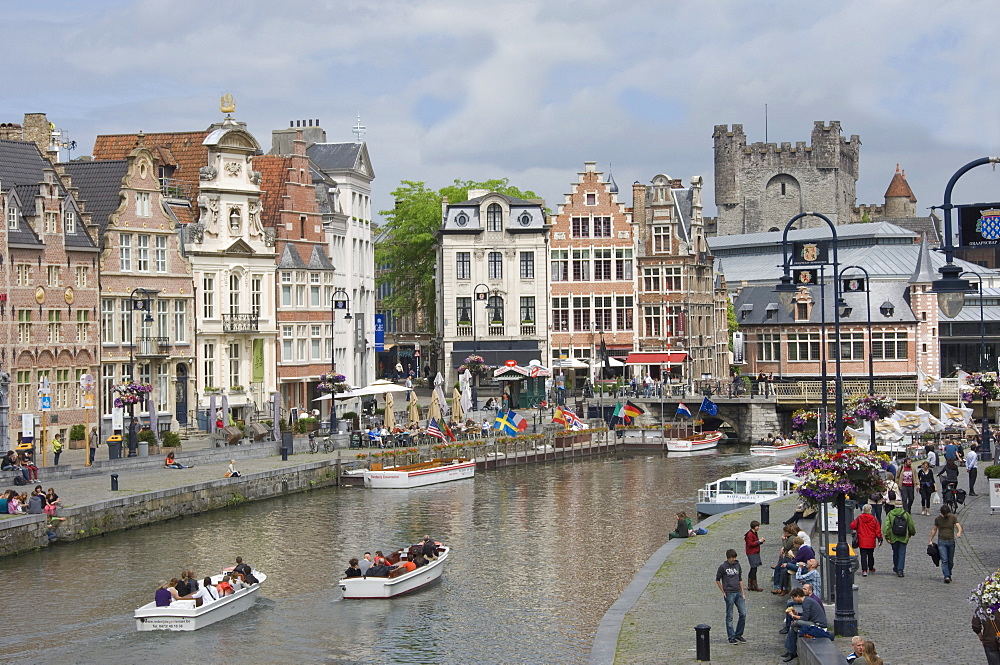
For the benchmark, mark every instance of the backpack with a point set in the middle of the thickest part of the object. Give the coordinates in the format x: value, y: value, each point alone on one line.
x: 899, y: 525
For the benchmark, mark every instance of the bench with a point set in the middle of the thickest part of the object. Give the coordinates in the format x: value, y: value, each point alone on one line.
x: 819, y: 651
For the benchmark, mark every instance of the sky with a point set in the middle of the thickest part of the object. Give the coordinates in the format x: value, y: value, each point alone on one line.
x: 530, y: 90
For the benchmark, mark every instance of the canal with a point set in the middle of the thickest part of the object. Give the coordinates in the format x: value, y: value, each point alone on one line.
x: 539, y: 553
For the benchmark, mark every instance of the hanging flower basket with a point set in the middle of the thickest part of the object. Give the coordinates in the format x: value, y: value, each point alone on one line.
x: 826, y: 474
x: 131, y: 393
x: 331, y: 383
x: 475, y: 364
x: 872, y: 407
x: 986, y: 599
x: 981, y: 386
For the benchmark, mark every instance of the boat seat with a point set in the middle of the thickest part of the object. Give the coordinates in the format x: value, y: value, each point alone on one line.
x: 184, y: 604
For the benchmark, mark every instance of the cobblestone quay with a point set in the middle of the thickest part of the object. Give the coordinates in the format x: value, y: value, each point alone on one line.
x: 914, y: 619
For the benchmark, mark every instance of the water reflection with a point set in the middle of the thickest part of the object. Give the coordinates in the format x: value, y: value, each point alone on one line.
x: 539, y: 554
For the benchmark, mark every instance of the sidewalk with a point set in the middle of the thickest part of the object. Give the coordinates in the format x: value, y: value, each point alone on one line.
x: 915, y: 619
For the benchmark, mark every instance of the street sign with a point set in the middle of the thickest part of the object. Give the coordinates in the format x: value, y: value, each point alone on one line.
x: 87, y: 383
x: 46, y: 402
x: 88, y: 400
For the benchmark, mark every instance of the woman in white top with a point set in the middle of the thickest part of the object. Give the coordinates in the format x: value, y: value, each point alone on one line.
x: 206, y: 594
x: 806, y: 540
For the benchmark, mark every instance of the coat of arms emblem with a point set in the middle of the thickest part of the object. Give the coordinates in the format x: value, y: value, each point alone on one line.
x: 988, y: 224
x: 810, y: 252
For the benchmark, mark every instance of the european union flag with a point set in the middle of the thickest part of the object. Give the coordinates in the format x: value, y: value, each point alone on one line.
x: 709, y: 407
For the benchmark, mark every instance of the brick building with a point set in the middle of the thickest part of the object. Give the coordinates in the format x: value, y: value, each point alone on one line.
x: 592, y: 268
x: 48, y: 308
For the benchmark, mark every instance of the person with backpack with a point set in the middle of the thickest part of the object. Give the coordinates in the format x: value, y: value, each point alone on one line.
x: 898, y: 528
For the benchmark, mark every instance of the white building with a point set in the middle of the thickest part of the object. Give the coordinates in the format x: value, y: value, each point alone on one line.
x: 492, y: 281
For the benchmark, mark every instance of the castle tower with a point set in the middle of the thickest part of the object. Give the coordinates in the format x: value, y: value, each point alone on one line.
x: 759, y: 187
x: 924, y: 306
x: 899, y: 199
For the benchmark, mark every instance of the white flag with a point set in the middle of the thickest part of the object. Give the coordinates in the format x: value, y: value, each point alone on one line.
x: 888, y: 430
x: 859, y: 437
x: 927, y: 383
x: 955, y: 416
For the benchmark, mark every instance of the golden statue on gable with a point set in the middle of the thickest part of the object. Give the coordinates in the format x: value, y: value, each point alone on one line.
x: 227, y: 104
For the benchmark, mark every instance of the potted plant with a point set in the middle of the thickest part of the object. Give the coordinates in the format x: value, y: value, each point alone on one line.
x: 77, y: 436
x: 171, y: 440
x: 828, y: 474
x: 236, y: 388
x: 351, y: 417
x: 992, y: 472
x: 210, y: 390
x: 986, y: 599
x: 148, y: 438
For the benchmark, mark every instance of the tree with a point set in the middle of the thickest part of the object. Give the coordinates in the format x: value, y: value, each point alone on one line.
x: 406, y: 249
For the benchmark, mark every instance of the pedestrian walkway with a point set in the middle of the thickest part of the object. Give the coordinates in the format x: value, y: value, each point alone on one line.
x: 914, y: 619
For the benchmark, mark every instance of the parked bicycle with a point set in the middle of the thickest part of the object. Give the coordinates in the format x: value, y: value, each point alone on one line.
x: 326, y: 442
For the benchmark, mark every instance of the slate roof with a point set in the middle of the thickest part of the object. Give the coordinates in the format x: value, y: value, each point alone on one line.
x: 99, y: 184
x: 319, y: 260
x: 753, y: 303
x: 334, y: 156
x: 290, y: 258
x: 183, y: 149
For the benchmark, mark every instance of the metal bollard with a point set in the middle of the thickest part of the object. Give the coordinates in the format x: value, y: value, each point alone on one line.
x: 703, y: 650
x: 284, y: 453
x: 114, y: 482
x: 765, y: 513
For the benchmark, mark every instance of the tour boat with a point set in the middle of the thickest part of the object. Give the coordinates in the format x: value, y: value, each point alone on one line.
x: 774, y: 451
x: 701, y: 441
x: 183, y: 615
x: 390, y: 587
x: 747, y: 488
x: 416, y: 475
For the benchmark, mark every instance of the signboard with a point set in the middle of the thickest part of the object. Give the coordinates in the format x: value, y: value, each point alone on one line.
x: 117, y: 419
x: 359, y: 333
x: 380, y: 332
x: 805, y: 277
x: 46, y: 402
x: 87, y: 383
x: 88, y: 400
x: 854, y: 285
x: 258, y: 361
x: 738, y: 348
x: 27, y: 427
x: 813, y: 252
x: 979, y: 225
x: 340, y: 305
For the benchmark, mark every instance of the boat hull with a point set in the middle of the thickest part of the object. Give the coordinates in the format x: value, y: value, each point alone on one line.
x: 713, y: 508
x: 182, y: 615
x: 775, y: 451
x: 688, y: 444
x: 361, y: 588
x: 390, y: 479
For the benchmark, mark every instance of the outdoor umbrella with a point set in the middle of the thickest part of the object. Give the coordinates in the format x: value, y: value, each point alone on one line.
x: 276, y: 415
x: 151, y: 407
x: 456, y: 406
x: 435, y: 409
x: 414, y: 410
x: 466, y: 383
x: 390, y: 415
x: 439, y: 392
x: 211, y: 414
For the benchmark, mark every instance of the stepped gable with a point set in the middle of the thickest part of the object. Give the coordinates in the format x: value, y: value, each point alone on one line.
x: 274, y: 175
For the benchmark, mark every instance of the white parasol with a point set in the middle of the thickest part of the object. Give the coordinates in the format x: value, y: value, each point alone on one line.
x: 390, y: 415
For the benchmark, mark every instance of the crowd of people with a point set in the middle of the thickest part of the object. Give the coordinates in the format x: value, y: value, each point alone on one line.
x: 187, y: 587
x: 23, y: 464
x: 404, y: 561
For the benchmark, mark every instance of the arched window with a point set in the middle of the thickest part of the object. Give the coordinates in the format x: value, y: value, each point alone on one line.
x: 234, y: 294
x: 494, y: 217
x: 494, y: 307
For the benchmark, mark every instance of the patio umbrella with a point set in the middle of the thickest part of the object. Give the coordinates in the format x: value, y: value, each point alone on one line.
x: 466, y: 383
x: 414, y: 413
x: 435, y: 409
x: 379, y: 387
x: 390, y: 415
x: 439, y: 391
x: 211, y: 414
x: 276, y: 415
x: 151, y: 407
x: 456, y: 406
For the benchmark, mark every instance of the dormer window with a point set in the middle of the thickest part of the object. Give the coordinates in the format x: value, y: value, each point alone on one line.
x: 461, y: 219
x: 494, y: 217
x: 69, y: 221
x: 12, y: 218
x: 524, y: 219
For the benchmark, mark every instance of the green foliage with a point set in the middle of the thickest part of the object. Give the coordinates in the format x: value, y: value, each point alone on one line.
x: 731, y: 322
x: 406, y: 251
x: 171, y: 440
x: 992, y: 471
x: 302, y: 424
x: 349, y: 415
x: 146, y: 435
x: 77, y: 432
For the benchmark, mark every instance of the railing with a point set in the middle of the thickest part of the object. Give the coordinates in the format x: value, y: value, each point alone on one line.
x: 900, y: 389
x: 527, y: 330
x: 177, y: 189
x: 153, y: 346
x: 497, y: 330
x: 463, y: 331
x: 240, y: 323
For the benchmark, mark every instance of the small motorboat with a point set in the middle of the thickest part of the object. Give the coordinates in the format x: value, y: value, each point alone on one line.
x: 783, y: 449
x: 183, y: 615
x: 747, y: 488
x: 700, y: 441
x: 398, y: 584
x: 416, y: 475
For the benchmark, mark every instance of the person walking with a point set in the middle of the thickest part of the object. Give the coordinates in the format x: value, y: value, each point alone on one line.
x: 898, y: 528
x: 94, y: 441
x: 987, y: 630
x: 906, y: 479
x: 925, y: 477
x: 972, y: 466
x: 947, y: 529
x: 729, y: 577
x: 869, y: 531
x: 57, y: 448
x: 753, y: 543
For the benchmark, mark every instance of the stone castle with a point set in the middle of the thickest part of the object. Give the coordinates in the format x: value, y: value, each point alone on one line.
x: 759, y: 187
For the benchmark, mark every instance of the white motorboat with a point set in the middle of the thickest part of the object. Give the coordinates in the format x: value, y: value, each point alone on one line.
x: 700, y: 441
x: 416, y: 475
x: 747, y: 488
x: 183, y: 615
x: 390, y: 587
x: 775, y: 451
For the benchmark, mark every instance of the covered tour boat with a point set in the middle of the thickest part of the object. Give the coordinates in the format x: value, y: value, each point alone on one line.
x: 416, y: 475
x: 747, y: 488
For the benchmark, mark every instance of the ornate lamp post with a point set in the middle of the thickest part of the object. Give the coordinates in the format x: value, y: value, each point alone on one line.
x: 480, y: 292
x: 343, y: 305
x: 139, y: 300
x: 987, y: 452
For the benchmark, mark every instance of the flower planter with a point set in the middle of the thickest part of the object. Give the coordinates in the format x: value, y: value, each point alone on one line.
x: 76, y: 444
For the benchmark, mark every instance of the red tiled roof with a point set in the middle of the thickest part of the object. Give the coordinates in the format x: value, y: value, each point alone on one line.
x: 274, y: 172
x: 181, y: 149
x: 184, y: 213
x: 899, y: 187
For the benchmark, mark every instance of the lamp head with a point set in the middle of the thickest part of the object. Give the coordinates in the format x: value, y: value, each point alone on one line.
x: 786, y: 290
x: 843, y: 308
x: 951, y: 290
x: 348, y: 317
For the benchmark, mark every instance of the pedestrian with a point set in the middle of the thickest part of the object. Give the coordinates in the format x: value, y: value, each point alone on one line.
x: 95, y: 440
x: 906, y: 479
x: 729, y: 577
x: 898, y: 528
x: 952, y: 451
x: 869, y: 531
x: 57, y: 448
x: 972, y: 466
x: 868, y: 655
x: 753, y: 543
x: 947, y: 529
x: 857, y: 649
x: 932, y: 456
x: 987, y: 630
x: 927, y: 487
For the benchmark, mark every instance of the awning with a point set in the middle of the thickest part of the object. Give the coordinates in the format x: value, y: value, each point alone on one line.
x: 650, y: 358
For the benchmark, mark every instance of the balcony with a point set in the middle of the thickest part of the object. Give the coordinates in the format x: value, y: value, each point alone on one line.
x: 497, y: 329
x: 240, y: 323
x: 527, y: 330
x: 463, y: 331
x: 151, y: 347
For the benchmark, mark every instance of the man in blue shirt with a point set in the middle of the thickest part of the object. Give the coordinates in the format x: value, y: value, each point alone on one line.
x: 952, y: 451
x: 813, y: 614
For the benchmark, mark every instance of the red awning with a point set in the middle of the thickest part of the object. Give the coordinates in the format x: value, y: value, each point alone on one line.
x: 657, y: 358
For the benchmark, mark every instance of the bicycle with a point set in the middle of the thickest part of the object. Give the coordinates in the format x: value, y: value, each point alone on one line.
x: 949, y: 496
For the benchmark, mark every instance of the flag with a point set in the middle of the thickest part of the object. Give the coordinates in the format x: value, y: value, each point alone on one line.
x: 955, y: 416
x: 606, y: 370
x: 709, y: 407
x: 631, y: 410
x: 682, y: 410
x: 448, y: 433
x: 560, y: 417
x: 509, y: 422
x: 434, y: 430
x: 572, y: 420
x: 927, y: 383
x: 858, y: 437
x: 625, y: 413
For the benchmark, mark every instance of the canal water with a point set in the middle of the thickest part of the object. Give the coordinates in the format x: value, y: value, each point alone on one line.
x: 539, y: 553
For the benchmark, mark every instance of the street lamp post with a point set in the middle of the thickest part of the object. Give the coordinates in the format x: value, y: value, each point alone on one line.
x: 141, y: 303
x: 344, y: 305
x: 987, y: 452
x: 845, y: 312
x: 845, y: 621
x: 477, y: 295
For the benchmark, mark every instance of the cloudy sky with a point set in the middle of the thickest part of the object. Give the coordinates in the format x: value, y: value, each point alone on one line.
x: 529, y: 90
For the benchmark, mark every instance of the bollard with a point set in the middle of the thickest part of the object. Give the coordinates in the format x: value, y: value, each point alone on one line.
x: 703, y: 651
x: 765, y: 513
x: 114, y: 482
x: 284, y: 453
